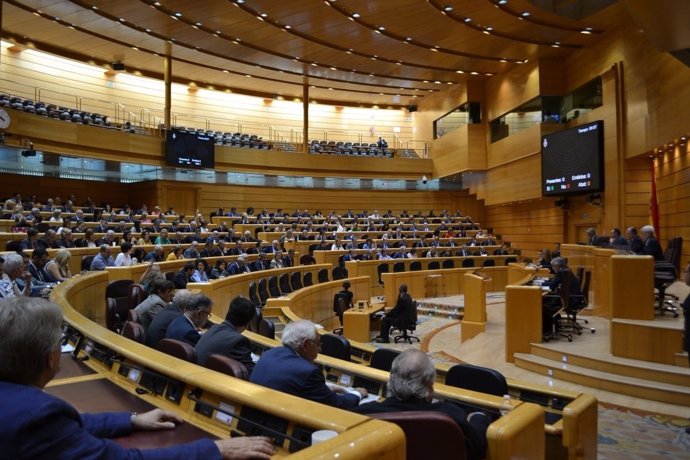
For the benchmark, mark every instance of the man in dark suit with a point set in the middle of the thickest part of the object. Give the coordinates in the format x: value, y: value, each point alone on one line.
x: 291, y: 368
x: 159, y: 325
x: 651, y: 245
x: 238, y: 266
x: 38, y: 425
x: 261, y: 263
x: 617, y: 240
x: 634, y: 240
x: 398, y: 315
x: 31, y: 241
x: 184, y: 276
x: 186, y: 327
x: 411, y: 388
x: 39, y: 258
x: 226, y: 338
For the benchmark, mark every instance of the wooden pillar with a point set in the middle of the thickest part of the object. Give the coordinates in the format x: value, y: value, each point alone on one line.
x: 167, y: 77
x: 305, y: 113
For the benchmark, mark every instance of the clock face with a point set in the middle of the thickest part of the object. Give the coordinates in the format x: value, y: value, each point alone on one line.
x: 4, y: 119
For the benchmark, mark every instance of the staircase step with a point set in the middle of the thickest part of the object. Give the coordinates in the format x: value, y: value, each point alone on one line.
x: 664, y: 373
x: 640, y: 388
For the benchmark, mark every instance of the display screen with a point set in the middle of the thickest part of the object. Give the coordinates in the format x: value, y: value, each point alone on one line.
x: 572, y: 160
x: 194, y: 150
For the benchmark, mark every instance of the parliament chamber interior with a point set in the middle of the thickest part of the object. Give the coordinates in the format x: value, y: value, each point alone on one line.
x: 477, y: 153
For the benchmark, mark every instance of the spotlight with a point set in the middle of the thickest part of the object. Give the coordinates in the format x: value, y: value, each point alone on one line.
x: 562, y: 203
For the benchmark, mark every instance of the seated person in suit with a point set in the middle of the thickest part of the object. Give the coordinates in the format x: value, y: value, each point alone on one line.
x: 160, y: 297
x: 226, y: 338
x: 346, y: 295
x: 238, y: 266
x: 551, y: 304
x: 411, y: 388
x: 159, y: 325
x: 616, y: 240
x: 291, y: 368
x: 184, y: 275
x: 103, y: 259
x: 261, y: 263
x: 38, y: 425
x: 398, y: 315
x: 651, y: 244
x: 186, y: 327
x: 634, y: 240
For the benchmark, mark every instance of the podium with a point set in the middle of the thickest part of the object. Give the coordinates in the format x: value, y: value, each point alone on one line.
x: 474, y: 319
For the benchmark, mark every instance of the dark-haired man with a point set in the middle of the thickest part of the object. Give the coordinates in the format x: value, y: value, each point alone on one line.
x: 226, y: 338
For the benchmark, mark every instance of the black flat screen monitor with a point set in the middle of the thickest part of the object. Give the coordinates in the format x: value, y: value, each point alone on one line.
x: 191, y: 150
x: 572, y: 160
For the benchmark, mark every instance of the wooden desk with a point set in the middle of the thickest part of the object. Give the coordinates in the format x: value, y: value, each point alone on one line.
x: 357, y: 322
x: 523, y: 319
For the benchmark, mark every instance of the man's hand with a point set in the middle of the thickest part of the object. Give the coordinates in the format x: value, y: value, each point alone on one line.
x: 246, y: 448
x: 156, y: 419
x: 362, y: 391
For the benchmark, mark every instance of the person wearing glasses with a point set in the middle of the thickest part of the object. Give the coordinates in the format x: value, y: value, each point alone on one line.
x: 291, y: 369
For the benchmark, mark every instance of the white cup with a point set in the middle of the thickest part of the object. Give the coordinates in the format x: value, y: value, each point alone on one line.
x: 322, y: 435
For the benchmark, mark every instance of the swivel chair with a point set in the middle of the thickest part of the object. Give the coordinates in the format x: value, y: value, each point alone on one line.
x: 335, y: 346
x: 178, y: 349
x: 227, y: 366
x: 409, y: 325
x: 477, y: 378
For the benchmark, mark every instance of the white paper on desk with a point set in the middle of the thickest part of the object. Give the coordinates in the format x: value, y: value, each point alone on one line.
x: 67, y: 348
x: 369, y: 398
x: 255, y: 358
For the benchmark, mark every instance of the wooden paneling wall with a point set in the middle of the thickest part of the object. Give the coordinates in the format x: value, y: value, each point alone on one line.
x: 530, y: 225
x: 673, y: 196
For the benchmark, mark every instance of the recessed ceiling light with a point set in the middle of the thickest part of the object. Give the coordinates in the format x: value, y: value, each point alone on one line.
x: 447, y: 8
x: 502, y: 2
x: 381, y: 28
x: 264, y: 15
x: 468, y: 20
x: 524, y: 14
x: 459, y: 71
x: 288, y: 27
x: 356, y: 15
x: 197, y: 24
x: 474, y: 73
x: 408, y: 39
x: 178, y: 14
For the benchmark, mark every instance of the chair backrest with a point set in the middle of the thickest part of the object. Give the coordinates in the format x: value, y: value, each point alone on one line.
x: 415, y: 266
x: 111, y: 317
x: 398, y: 267
x: 308, y: 279
x: 322, y: 275
x: 273, y: 288
x: 307, y: 259
x: 86, y: 263
x: 178, y: 349
x: 467, y: 263
x: 263, y: 290
x: 254, y: 294
x: 14, y: 246
x: 339, y: 273
x: 511, y: 260
x: 489, y: 263
x: 118, y: 288
x: 448, y: 263
x: 296, y: 280
x: 477, y: 378
x: 434, y: 265
x: 336, y: 346
x: 170, y: 276
x: 134, y: 331
x: 133, y: 316
x: 267, y: 328
x: 673, y: 252
x: 254, y: 323
x: 226, y: 365
x: 428, y: 434
x: 383, y: 358
x: 284, y: 282
x: 135, y: 295
x: 586, y: 280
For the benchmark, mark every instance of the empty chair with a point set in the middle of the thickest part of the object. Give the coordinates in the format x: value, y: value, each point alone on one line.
x: 263, y: 291
x: 335, y: 346
x: 254, y: 294
x: 284, y: 282
x: 398, y: 267
x: 339, y: 273
x: 296, y: 280
x: 178, y: 349
x: 273, y: 288
x: 448, y: 263
x: 383, y: 358
x: 227, y: 366
x: 134, y: 331
x: 382, y: 268
x: 322, y: 275
x: 434, y: 265
x: 415, y: 266
x: 254, y: 323
x: 86, y: 263
x: 488, y: 263
x: 308, y: 279
x: 135, y: 295
x: 428, y: 434
x: 467, y: 263
x: 118, y: 292
x: 307, y: 259
x: 267, y: 328
x: 112, y: 321
x: 477, y: 378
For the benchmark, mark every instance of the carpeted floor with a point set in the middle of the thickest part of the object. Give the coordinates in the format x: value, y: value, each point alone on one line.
x: 623, y: 433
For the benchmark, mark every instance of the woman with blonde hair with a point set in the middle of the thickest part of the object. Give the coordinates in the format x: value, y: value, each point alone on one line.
x: 58, y: 268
